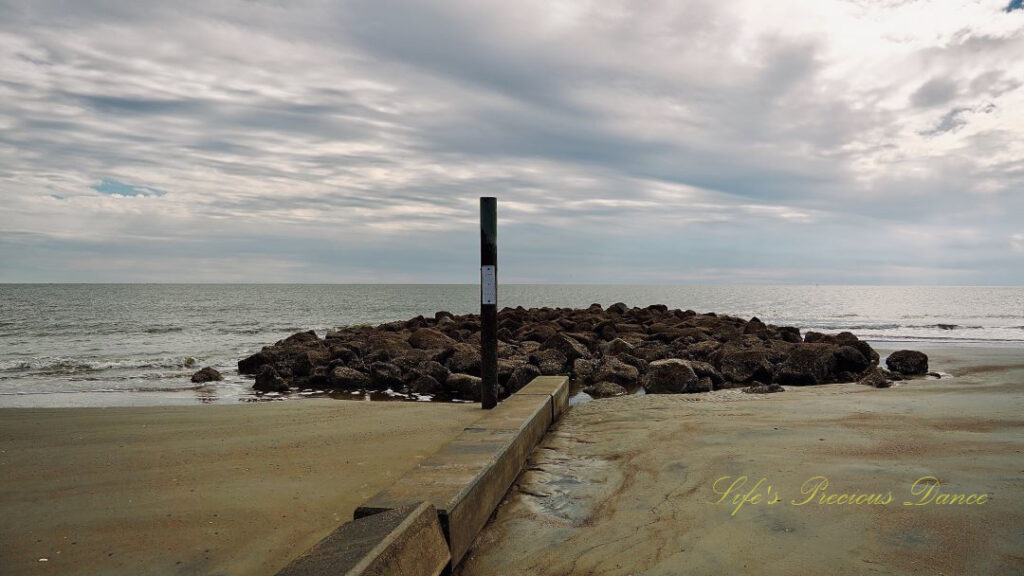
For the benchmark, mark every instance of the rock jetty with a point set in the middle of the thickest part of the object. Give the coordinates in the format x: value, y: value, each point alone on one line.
x: 607, y: 351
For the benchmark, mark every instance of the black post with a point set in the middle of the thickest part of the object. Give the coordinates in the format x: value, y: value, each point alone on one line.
x: 489, y: 302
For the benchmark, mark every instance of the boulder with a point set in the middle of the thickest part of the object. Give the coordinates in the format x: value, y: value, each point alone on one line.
x: 651, y: 351
x: 426, y: 384
x: 808, y: 365
x: 385, y: 375
x: 551, y: 362
x: 317, y: 378
x: 206, y: 374
x: 745, y: 365
x: 618, y: 308
x: 465, y: 386
x: 706, y: 370
x: 790, y: 334
x: 703, y: 350
x: 638, y: 363
x: 253, y: 364
x: 521, y: 376
x: 877, y: 378
x: 867, y: 351
x: 670, y: 376
x: 614, y: 370
x: 345, y: 378
x: 268, y: 380
x: 539, y: 332
x: 606, y: 330
x: 464, y: 359
x: 304, y: 362
x: 567, y: 345
x: 583, y: 369
x: 908, y: 362
x: 430, y: 339
x: 506, y: 367
x: 850, y: 359
x: 605, y: 390
x: 343, y: 353
x: 757, y: 328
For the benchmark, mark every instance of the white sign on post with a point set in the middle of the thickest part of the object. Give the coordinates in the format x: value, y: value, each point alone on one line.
x: 488, y: 285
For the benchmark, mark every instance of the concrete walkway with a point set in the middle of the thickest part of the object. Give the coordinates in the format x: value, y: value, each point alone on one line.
x: 628, y: 485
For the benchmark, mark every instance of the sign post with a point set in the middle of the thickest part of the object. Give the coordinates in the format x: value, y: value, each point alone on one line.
x: 489, y: 302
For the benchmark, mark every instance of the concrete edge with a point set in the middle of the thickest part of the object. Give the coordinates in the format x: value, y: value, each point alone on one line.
x: 556, y: 387
x: 406, y: 540
x: 464, y: 510
x: 422, y: 527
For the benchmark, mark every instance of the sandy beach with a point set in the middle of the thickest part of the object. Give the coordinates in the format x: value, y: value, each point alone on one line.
x: 628, y: 485
x: 620, y: 486
x: 202, y: 489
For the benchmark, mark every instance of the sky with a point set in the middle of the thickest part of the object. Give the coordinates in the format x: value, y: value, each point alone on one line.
x: 635, y: 142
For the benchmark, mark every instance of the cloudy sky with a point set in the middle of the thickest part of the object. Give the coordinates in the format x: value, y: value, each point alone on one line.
x: 676, y: 142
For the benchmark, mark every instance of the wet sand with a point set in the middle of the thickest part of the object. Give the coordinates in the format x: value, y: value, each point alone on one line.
x: 198, y: 489
x: 627, y: 485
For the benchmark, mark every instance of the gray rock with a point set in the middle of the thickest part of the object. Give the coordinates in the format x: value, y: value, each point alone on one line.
x: 345, y: 378
x: 617, y: 346
x: 808, y: 365
x: 614, y: 370
x: 605, y: 390
x: 429, y: 339
x: 550, y: 361
x: 670, y: 376
x: 426, y: 384
x: 909, y: 362
x: 269, y: 381
x: 706, y: 370
x: 567, y: 345
x: 850, y: 359
x: 745, y: 365
x: 465, y: 386
x: 435, y: 370
x: 206, y: 374
x: 877, y: 378
x: 465, y: 359
x: 522, y: 376
x: 384, y: 375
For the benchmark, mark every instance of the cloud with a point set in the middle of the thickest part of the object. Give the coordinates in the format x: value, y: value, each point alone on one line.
x: 349, y: 141
x: 935, y: 92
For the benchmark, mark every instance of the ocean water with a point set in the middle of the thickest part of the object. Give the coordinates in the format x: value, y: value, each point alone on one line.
x: 137, y: 344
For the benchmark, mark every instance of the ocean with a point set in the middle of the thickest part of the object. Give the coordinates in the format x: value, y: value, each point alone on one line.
x: 137, y: 344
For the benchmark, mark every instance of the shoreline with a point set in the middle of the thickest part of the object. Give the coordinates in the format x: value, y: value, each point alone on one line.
x: 195, y: 395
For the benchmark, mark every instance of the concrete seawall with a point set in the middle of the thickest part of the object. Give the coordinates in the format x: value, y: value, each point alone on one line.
x: 464, y: 482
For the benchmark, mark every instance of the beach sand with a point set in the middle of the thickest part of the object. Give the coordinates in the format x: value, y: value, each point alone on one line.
x: 199, y: 489
x: 625, y: 485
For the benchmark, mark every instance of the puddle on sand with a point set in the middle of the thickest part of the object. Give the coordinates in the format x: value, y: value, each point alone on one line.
x: 565, y: 488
